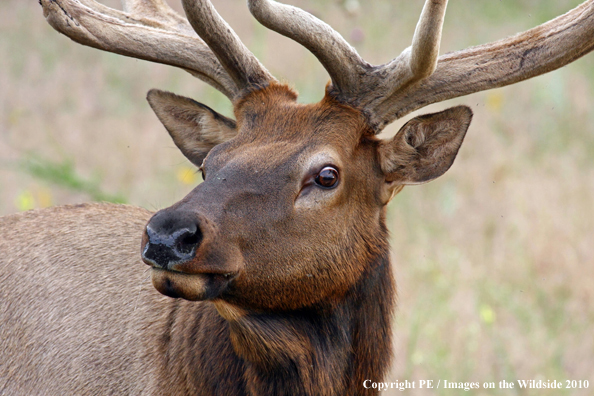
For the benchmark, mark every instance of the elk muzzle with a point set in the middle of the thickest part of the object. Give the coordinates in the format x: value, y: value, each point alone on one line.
x: 178, y: 245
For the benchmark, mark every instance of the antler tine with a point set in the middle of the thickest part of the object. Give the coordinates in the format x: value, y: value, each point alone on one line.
x: 414, y: 64
x: 238, y: 61
x: 342, y: 61
x: 163, y: 40
x: 426, y: 40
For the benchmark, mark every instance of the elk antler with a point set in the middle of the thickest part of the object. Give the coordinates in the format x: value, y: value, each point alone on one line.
x: 354, y: 80
x: 425, y: 45
x: 342, y: 61
x: 151, y: 30
x: 417, y: 77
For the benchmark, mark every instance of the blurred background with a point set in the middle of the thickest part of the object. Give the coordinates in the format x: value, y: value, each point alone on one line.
x: 494, y: 261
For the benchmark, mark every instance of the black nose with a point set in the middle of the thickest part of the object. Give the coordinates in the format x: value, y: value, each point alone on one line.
x: 172, y: 238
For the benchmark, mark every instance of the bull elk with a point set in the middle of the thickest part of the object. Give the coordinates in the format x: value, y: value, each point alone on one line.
x: 279, y: 261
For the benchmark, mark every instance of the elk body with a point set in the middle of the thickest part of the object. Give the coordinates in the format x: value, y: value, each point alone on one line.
x: 279, y: 260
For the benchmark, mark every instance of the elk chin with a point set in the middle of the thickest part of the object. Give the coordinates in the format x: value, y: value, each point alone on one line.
x: 192, y: 287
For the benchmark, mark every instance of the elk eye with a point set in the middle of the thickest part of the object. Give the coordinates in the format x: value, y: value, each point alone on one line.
x: 327, y: 178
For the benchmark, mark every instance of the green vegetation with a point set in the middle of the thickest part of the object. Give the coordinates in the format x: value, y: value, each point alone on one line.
x: 63, y: 174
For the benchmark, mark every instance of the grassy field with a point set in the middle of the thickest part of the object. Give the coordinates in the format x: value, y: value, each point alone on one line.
x: 494, y: 261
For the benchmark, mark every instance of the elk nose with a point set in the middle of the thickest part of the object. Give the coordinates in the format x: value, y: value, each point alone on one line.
x: 170, y: 240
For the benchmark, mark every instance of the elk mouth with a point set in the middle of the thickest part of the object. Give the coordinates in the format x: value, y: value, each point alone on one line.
x: 192, y: 287
x: 184, y: 262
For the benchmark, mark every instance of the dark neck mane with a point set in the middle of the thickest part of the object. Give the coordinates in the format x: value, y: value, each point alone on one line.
x: 322, y: 350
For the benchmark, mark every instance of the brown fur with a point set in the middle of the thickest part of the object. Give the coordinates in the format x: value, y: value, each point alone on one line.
x: 215, y: 128
x: 402, y: 157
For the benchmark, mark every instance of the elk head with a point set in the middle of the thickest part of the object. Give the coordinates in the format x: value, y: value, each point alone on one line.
x: 291, y: 210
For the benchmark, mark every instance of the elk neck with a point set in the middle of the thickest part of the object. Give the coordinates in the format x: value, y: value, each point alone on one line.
x: 330, y: 348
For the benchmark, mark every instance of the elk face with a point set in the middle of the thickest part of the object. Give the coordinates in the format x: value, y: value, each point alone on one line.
x: 291, y: 208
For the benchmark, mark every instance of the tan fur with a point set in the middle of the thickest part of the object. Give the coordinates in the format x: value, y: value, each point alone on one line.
x: 73, y: 300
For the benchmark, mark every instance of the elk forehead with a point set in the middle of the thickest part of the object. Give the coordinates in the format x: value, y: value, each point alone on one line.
x: 279, y: 145
x: 273, y: 114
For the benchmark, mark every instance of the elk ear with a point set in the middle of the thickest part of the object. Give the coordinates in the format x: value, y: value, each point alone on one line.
x: 194, y: 127
x: 425, y: 147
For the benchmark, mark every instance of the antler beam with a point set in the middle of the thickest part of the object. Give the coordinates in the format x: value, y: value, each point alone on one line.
x: 165, y: 40
x: 151, y: 30
x: 418, y: 76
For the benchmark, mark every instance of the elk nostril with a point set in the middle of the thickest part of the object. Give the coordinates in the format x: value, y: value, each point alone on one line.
x: 188, y: 241
x: 166, y: 247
